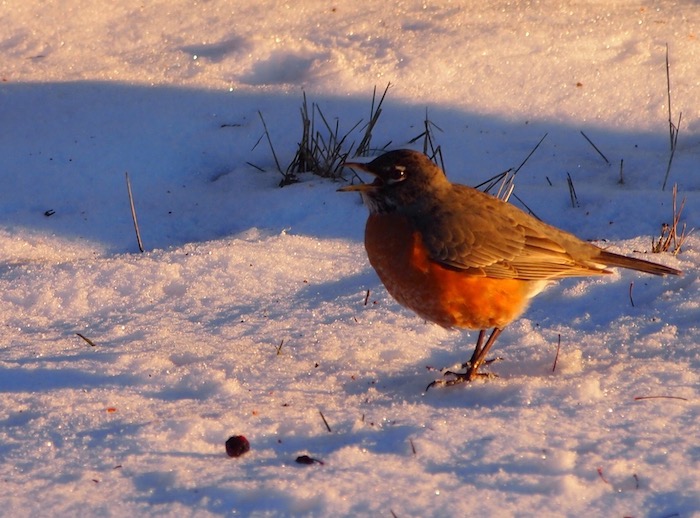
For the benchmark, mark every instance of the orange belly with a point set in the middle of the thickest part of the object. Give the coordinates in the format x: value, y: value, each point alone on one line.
x: 448, y: 297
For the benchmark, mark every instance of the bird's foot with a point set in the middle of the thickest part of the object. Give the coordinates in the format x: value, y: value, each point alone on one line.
x: 463, y: 377
x: 467, y: 365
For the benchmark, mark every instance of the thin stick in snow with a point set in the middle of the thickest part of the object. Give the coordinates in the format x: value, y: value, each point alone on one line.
x: 673, y: 129
x: 89, y: 342
x: 556, y: 356
x: 133, y: 213
x: 325, y: 422
x: 572, y: 191
x: 641, y: 398
x: 631, y: 288
x: 596, y: 148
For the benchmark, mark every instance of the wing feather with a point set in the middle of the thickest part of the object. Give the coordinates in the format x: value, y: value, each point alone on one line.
x: 477, y: 232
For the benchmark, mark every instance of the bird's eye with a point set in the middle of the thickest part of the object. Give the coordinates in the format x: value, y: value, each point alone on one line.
x: 397, y: 174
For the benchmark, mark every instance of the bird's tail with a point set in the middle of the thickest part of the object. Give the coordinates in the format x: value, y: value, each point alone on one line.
x: 632, y: 263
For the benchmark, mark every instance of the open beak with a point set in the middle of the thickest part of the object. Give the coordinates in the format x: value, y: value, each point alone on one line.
x: 360, y: 187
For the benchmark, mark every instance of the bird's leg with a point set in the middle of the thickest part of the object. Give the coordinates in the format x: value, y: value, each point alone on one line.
x: 477, y: 360
x: 477, y: 350
x: 480, y: 352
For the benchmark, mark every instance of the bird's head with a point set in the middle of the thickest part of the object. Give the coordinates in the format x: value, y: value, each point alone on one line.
x: 402, y: 178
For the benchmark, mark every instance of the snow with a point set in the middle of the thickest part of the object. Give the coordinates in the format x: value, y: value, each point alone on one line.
x: 248, y: 312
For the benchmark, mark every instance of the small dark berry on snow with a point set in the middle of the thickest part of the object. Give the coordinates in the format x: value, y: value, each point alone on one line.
x: 237, y: 445
x: 305, y: 459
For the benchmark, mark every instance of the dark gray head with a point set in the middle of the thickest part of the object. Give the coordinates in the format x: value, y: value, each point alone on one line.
x: 401, y: 179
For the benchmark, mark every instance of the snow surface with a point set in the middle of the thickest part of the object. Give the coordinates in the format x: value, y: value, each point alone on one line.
x: 247, y: 314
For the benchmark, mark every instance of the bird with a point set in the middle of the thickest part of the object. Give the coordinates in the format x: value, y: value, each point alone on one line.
x: 462, y: 258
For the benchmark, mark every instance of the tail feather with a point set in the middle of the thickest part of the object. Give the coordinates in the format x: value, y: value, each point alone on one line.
x: 622, y: 261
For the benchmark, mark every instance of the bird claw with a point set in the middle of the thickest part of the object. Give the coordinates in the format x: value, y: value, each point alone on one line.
x: 466, y: 365
x: 459, y: 378
x: 463, y: 377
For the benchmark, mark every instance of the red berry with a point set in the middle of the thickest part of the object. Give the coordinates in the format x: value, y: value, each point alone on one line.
x: 237, y: 445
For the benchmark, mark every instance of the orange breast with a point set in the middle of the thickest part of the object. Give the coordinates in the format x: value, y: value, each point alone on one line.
x: 448, y: 297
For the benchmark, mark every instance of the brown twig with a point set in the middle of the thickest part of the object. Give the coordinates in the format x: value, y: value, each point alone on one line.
x: 90, y: 342
x: 631, y: 288
x: 133, y: 213
x: 641, y: 398
x: 324, y: 421
x: 669, y: 233
x: 668, y: 93
x: 673, y: 129
x: 556, y: 356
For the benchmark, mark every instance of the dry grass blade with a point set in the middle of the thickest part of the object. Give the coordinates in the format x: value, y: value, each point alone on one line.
x: 532, y: 152
x: 329, y: 153
x: 325, y: 422
x: 673, y: 129
x: 87, y: 340
x: 256, y: 167
x: 556, y: 356
x: 572, y: 191
x: 490, y: 183
x: 364, y: 146
x: 642, y: 398
x: 630, y: 293
x: 506, y: 188
x: 133, y: 213
x: 322, y: 149
x: 506, y: 179
x: 429, y: 147
x: 670, y: 239
x: 596, y: 148
x: 286, y: 179
x: 303, y: 160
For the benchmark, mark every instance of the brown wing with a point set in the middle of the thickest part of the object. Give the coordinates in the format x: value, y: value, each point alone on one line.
x: 475, y: 231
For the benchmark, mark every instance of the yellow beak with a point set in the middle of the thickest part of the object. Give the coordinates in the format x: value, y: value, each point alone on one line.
x: 360, y: 187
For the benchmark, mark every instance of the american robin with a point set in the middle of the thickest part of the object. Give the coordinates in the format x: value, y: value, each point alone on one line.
x: 462, y: 258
